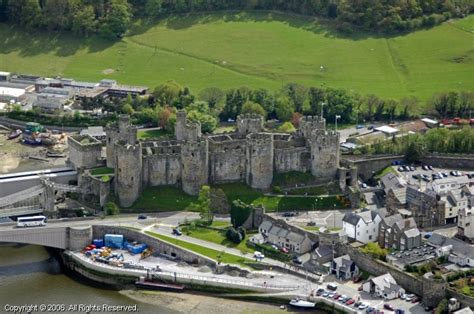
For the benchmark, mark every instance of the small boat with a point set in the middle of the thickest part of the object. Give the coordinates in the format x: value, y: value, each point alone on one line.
x: 302, y: 304
x: 14, y: 134
x: 55, y: 155
x: 32, y: 141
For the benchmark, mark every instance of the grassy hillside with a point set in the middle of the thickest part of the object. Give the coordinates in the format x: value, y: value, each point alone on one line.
x: 256, y: 50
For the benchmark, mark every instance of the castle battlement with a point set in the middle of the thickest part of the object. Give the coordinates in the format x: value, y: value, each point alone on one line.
x: 249, y: 116
x: 249, y: 123
x: 260, y: 138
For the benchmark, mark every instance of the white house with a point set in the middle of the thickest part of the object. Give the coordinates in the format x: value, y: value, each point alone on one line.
x: 442, y: 186
x: 383, y: 286
x: 284, y: 236
x: 457, y: 251
x: 362, y: 227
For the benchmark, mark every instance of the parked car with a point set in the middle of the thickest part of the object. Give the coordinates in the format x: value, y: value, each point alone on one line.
x: 342, y: 298
x: 297, y: 260
x: 332, y: 286
x: 364, y: 185
x: 177, y: 232
x: 284, y: 250
x: 350, y: 301
x: 320, y: 291
x: 274, y: 247
x: 401, y: 169
x: 336, y: 296
x: 388, y: 307
x: 331, y: 294
x: 258, y: 255
x: 430, y: 167
x: 363, y: 306
x: 142, y: 217
x: 325, y: 294
x: 409, y: 297
x: 359, y: 126
x: 415, y: 300
x: 357, y: 303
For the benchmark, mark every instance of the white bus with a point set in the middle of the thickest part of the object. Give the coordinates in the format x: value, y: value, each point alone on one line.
x: 31, y: 221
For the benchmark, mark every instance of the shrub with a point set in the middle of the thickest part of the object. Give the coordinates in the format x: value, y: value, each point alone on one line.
x: 234, y: 235
x: 112, y: 209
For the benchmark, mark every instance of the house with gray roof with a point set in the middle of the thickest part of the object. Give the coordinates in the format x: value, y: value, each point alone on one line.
x: 281, y: 234
x: 398, y: 233
x: 457, y: 251
x: 383, y: 286
x: 361, y: 226
x: 344, y: 268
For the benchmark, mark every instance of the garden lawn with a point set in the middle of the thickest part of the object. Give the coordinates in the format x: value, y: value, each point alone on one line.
x: 101, y: 171
x: 211, y: 253
x: 149, y: 134
x: 162, y: 198
x: 258, y: 50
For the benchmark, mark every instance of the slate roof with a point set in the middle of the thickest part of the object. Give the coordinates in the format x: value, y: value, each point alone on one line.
x: 390, y: 180
x: 459, y: 247
x: 266, y: 225
x: 412, y: 233
x: 323, y: 250
x: 351, y: 218
x: 391, y: 220
x: 386, y: 283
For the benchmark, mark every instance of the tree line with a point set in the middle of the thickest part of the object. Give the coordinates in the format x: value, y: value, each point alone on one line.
x: 111, y: 18
x: 213, y: 105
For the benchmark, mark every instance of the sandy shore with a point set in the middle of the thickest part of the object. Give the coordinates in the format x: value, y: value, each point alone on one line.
x: 193, y: 303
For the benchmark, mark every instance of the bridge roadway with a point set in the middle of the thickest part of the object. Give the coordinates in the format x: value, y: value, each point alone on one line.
x: 66, y: 233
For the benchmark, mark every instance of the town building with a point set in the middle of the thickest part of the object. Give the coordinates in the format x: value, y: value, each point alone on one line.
x: 383, y: 286
x: 398, y: 233
x: 344, y: 268
x: 283, y: 235
x: 362, y: 226
x: 457, y: 251
x: 426, y: 205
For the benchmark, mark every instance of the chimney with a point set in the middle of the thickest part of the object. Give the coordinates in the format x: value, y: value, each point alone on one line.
x: 407, y: 223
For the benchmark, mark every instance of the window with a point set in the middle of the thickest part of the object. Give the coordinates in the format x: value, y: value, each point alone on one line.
x: 370, y: 237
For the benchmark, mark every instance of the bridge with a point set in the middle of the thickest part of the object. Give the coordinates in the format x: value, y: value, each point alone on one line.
x: 33, y: 200
x: 61, y: 237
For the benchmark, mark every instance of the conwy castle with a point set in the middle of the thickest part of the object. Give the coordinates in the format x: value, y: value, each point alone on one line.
x: 191, y: 159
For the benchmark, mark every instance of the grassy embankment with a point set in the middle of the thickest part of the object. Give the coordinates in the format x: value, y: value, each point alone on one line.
x: 264, y: 50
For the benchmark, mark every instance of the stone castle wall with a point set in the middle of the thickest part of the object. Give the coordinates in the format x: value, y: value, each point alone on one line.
x: 249, y: 123
x: 324, y: 153
x: 84, y: 151
x: 164, y: 169
x: 195, y: 160
x: 128, y: 173
x: 292, y: 159
x: 227, y: 160
x: 259, y: 174
x: 123, y: 131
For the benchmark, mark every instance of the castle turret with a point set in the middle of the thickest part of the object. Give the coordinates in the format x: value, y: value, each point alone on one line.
x: 195, y: 160
x: 310, y: 123
x: 128, y: 172
x: 249, y: 123
x: 186, y: 130
x: 259, y: 174
x: 324, y: 153
x: 122, y: 131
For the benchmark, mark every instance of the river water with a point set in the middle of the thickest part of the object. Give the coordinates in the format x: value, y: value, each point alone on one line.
x: 29, y: 275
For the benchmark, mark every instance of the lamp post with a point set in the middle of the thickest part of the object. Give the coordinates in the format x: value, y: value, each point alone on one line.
x: 322, y: 109
x: 335, y: 120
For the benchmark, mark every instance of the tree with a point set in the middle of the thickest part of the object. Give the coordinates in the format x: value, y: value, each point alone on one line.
x: 116, y: 21
x: 83, y: 19
x: 297, y: 95
x: 213, y: 96
x: 316, y: 98
x: 128, y: 109
x: 251, y: 107
x: 111, y: 209
x: 55, y: 14
x: 240, y: 212
x: 203, y: 204
x: 154, y: 8
x: 219, y: 201
x: 167, y: 93
x: 413, y: 153
x: 286, y: 127
x: 200, y: 112
x: 283, y: 108
x: 234, y: 235
x: 373, y: 249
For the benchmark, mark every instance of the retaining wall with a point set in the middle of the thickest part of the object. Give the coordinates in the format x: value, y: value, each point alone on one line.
x: 157, y: 245
x: 455, y: 161
x: 464, y: 299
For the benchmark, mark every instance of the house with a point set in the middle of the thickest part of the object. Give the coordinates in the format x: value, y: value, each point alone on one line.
x: 383, y: 286
x: 392, y: 181
x: 281, y: 234
x: 443, y: 186
x: 466, y: 223
x: 362, y: 226
x: 465, y: 310
x: 322, y: 254
x: 398, y: 233
x: 457, y: 251
x: 427, y: 207
x: 455, y: 200
x: 344, y: 268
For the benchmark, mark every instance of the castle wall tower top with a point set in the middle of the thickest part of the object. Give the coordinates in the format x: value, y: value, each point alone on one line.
x: 249, y: 123
x: 128, y: 172
x: 310, y: 123
x: 195, y: 164
x: 186, y: 130
x: 259, y: 172
x: 325, y: 153
x: 122, y: 131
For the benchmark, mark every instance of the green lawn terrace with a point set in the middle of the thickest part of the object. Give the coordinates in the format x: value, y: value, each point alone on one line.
x: 254, y: 49
x: 169, y: 198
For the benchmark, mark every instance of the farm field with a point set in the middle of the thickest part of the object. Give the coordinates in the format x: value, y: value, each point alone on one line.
x: 265, y: 50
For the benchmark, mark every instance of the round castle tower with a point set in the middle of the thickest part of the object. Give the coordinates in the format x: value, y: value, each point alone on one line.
x: 249, y: 123
x: 128, y: 172
x: 310, y: 123
x: 195, y: 161
x: 259, y: 174
x: 186, y: 130
x: 122, y: 131
x: 324, y: 153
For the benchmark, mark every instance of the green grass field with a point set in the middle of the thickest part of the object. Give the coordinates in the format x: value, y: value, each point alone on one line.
x: 149, y: 134
x: 257, y: 50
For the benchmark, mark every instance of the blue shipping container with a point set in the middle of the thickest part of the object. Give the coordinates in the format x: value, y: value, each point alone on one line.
x: 98, y: 243
x: 113, y: 240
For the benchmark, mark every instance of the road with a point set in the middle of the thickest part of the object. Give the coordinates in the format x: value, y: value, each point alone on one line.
x: 326, y: 218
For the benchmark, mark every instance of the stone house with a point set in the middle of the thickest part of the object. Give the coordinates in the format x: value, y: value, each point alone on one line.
x: 427, y: 207
x: 466, y: 223
x: 281, y: 234
x: 395, y: 199
x: 383, y: 286
x: 455, y: 200
x: 362, y: 226
x: 398, y: 233
x: 344, y: 268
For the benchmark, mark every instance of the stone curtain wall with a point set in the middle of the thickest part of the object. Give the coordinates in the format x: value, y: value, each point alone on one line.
x: 455, y: 161
x: 431, y: 291
x: 464, y: 299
